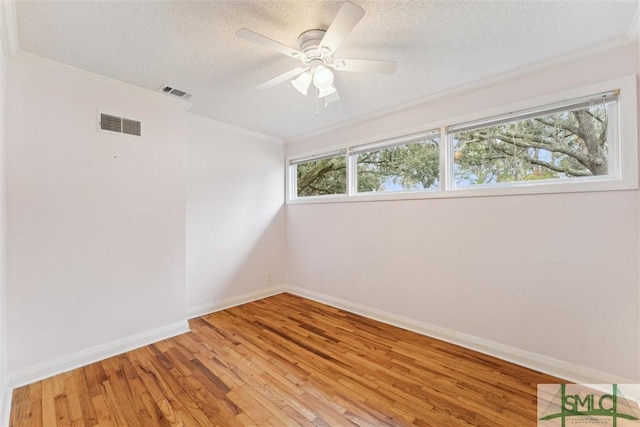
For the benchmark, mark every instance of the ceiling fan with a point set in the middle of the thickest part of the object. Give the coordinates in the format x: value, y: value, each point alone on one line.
x: 316, y: 50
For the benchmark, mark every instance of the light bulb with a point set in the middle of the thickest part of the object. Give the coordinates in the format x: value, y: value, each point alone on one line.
x: 322, y: 77
x: 302, y: 83
x: 326, y: 90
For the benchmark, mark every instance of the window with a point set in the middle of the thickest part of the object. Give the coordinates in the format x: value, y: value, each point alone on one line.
x: 399, y: 165
x: 559, y: 143
x: 321, y: 175
x: 582, y: 140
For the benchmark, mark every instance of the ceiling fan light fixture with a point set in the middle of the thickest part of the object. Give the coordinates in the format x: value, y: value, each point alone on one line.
x: 302, y: 82
x: 316, y: 49
x: 326, y: 90
x: 322, y: 77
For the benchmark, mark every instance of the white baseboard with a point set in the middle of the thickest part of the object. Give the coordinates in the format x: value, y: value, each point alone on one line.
x: 39, y: 371
x: 5, y: 406
x: 223, y: 304
x: 548, y: 365
x: 20, y: 377
x: 558, y: 368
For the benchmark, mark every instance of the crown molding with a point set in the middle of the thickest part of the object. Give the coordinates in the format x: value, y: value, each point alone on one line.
x: 237, y: 129
x: 633, y: 33
x: 10, y: 42
x: 9, y: 28
x: 476, y: 86
x: 38, y: 61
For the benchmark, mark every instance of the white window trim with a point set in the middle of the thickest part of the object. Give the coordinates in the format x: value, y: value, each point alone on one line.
x: 624, y: 152
x: 409, y: 139
x: 613, y: 172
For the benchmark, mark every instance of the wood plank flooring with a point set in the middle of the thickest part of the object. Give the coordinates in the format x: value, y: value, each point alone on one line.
x: 287, y: 361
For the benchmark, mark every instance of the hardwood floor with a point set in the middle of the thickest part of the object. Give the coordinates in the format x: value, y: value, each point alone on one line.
x: 287, y: 361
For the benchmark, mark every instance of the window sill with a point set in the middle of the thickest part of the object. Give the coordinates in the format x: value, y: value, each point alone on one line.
x: 487, y: 190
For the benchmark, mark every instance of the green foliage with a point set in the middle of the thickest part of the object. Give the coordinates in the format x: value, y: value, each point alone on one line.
x: 322, y: 177
x: 555, y: 146
x: 408, y: 167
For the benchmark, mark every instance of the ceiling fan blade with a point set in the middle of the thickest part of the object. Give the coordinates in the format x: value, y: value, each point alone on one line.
x: 365, y: 66
x: 249, y: 35
x: 348, y: 16
x: 281, y: 78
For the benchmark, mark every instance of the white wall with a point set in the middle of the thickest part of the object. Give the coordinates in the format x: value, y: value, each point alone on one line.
x: 235, y: 213
x: 95, y: 220
x: 554, y: 275
x: 3, y: 301
x: 99, y: 239
x: 109, y: 236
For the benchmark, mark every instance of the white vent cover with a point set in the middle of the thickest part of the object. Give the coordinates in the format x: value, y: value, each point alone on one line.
x: 175, y: 92
x: 120, y: 125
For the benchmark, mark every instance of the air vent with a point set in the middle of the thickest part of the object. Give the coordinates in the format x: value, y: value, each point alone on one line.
x: 175, y: 92
x: 120, y: 125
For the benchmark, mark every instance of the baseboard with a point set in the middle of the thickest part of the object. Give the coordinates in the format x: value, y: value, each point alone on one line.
x: 548, y: 365
x: 558, y: 368
x: 223, y: 304
x: 5, y: 406
x: 20, y: 377
x: 65, y: 363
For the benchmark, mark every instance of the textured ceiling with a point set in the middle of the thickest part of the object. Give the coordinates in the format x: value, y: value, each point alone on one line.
x: 191, y: 45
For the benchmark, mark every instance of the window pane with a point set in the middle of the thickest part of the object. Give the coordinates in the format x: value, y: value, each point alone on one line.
x: 322, y: 177
x: 568, y: 144
x: 414, y: 166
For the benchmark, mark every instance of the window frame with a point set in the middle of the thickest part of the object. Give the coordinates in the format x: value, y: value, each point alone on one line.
x: 410, y: 139
x: 292, y: 173
x: 623, y: 153
x: 520, y: 115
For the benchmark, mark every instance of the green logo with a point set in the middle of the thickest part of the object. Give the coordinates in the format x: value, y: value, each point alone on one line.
x: 584, y: 405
